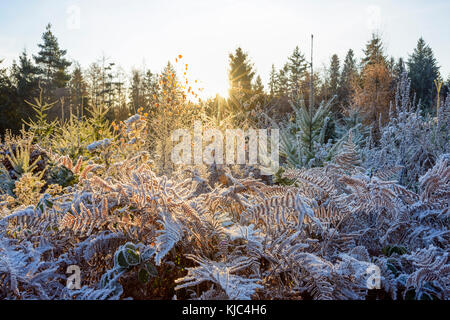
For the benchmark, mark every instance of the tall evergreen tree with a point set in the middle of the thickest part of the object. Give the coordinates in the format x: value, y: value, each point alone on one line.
x: 373, y: 93
x: 24, y: 75
x: 391, y: 64
x: 283, y: 81
x: 273, y: 81
x: 399, y: 68
x: 334, y: 74
x: 374, y: 51
x: 78, y: 91
x: 107, y: 82
x: 306, y: 88
x: 240, y: 76
x: 348, y: 75
x: 94, y: 83
x: 151, y: 89
x: 259, y: 95
x: 51, y: 62
x: 10, y: 112
x: 423, y: 70
x: 170, y: 87
x: 137, y: 92
x: 297, y: 70
x: 332, y: 85
x: 258, y: 87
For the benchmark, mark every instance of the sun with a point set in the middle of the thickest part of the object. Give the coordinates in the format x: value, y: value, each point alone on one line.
x: 206, y: 92
x: 194, y: 86
x: 223, y: 92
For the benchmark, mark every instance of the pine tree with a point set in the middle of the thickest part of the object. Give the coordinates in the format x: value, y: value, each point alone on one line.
x: 303, y: 141
x: 423, y: 70
x: 170, y: 81
x: 297, y: 69
x: 51, y: 62
x: 10, y: 115
x: 373, y: 94
x: 24, y: 75
x: 151, y: 89
x: 107, y: 82
x: 120, y: 107
x: 78, y: 91
x: 258, y: 92
x: 94, y: 81
x: 374, y: 52
x: 282, y: 81
x: 273, y: 81
x: 240, y: 76
x: 391, y: 65
x: 399, y: 69
x: 334, y: 74
x: 258, y: 87
x: 305, y: 88
x: 348, y: 76
x: 137, y: 94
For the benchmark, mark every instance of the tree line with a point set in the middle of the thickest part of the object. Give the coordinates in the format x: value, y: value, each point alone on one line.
x: 366, y: 86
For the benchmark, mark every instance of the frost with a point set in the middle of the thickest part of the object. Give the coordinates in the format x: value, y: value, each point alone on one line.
x: 98, y: 145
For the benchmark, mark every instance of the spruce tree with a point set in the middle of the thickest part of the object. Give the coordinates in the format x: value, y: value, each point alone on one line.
x: 297, y: 67
x: 303, y: 141
x: 24, y: 75
x: 348, y: 75
x: 137, y: 94
x: 240, y: 76
x: 258, y: 87
x: 107, y: 82
x: 399, y: 68
x: 51, y: 62
x: 391, y: 65
x: 373, y: 94
x: 423, y: 70
x: 283, y: 81
x: 78, y: 91
x: 258, y: 93
x: 93, y: 79
x: 374, y: 51
x: 10, y: 114
x: 334, y: 74
x: 170, y: 83
x: 151, y: 89
x: 273, y: 81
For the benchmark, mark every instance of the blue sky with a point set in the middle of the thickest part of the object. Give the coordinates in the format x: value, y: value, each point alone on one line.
x: 135, y: 33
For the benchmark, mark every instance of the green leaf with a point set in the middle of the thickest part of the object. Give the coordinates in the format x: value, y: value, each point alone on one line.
x: 151, y: 269
x: 390, y: 250
x: 120, y: 260
x: 130, y: 245
x: 143, y: 276
x: 132, y: 257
